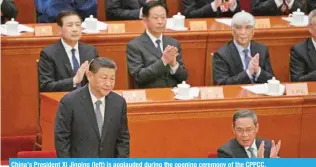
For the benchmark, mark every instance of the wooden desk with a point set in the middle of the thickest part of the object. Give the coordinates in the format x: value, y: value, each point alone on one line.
x: 164, y: 127
x: 19, y: 56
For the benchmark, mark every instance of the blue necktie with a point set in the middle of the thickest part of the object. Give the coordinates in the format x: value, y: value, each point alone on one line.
x: 74, y: 61
x: 246, y: 58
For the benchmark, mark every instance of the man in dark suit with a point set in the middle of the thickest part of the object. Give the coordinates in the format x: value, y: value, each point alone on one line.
x: 242, y: 61
x: 277, y: 7
x: 59, y: 64
x: 125, y: 9
x: 311, y: 5
x: 246, y: 144
x: 303, y: 55
x: 8, y: 10
x: 91, y: 121
x: 210, y: 8
x: 153, y: 59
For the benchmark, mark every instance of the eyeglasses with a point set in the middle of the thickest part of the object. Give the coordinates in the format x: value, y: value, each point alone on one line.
x: 239, y: 27
x: 247, y: 130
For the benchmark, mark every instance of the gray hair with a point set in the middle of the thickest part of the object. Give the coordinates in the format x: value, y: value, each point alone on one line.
x: 311, y: 16
x: 245, y: 114
x: 243, y: 18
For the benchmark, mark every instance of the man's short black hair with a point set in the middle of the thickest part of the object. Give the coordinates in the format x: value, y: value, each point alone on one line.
x: 65, y: 13
x: 151, y: 4
x: 101, y: 62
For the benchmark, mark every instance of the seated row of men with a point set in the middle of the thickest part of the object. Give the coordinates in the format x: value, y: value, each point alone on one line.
x: 155, y: 60
x: 132, y: 9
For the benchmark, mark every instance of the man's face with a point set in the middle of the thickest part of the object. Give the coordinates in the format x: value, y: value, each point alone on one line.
x: 243, y: 34
x: 102, y: 82
x: 71, y: 28
x: 245, y: 131
x: 156, y: 20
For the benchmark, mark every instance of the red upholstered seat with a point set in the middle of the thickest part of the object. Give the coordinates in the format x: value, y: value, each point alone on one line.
x: 212, y: 155
x: 37, y: 154
x: 11, y: 145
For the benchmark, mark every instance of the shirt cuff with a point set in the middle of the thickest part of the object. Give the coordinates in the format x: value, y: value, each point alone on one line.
x: 232, y: 9
x: 73, y: 83
x: 278, y: 3
x: 249, y: 75
x: 258, y: 74
x: 213, y: 7
x: 290, y: 4
x: 141, y: 13
x: 174, y: 69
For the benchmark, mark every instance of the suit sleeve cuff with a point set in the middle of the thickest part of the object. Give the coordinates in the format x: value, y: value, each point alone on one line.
x: 213, y: 7
x: 278, y: 3
x: 174, y: 69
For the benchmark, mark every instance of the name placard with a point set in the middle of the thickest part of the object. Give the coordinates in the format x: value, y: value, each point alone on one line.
x: 198, y: 25
x: 134, y: 96
x: 296, y: 89
x: 212, y: 93
x: 263, y: 23
x: 43, y: 31
x: 116, y: 28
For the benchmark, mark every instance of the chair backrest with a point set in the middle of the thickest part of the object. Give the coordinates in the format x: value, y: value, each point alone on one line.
x: 37, y: 154
x: 11, y: 145
x: 212, y: 155
x: 38, y: 142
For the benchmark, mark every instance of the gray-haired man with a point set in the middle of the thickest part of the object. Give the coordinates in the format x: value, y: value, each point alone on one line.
x: 242, y: 61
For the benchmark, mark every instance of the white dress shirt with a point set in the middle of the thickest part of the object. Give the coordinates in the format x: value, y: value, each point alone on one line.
x: 280, y: 2
x: 255, y: 150
x: 153, y: 39
x: 232, y: 9
x: 102, y: 105
x: 69, y: 53
x: 314, y: 42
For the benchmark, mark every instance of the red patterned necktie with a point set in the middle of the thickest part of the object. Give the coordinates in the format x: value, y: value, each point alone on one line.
x: 285, y: 8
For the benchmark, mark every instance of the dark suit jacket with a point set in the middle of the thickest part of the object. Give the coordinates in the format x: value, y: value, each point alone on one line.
x: 232, y: 149
x: 124, y: 9
x: 8, y: 10
x: 55, y: 71
x: 303, y: 61
x: 76, y: 129
x: 311, y: 5
x: 269, y: 8
x: 145, y: 64
x: 203, y: 8
x: 228, y: 67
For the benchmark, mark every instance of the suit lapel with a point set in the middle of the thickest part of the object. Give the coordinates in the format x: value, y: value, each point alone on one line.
x: 82, y: 53
x: 236, y: 57
x: 311, y: 51
x: 87, y: 105
x: 64, y: 58
x: 110, y: 106
x: 239, y: 150
x: 148, y: 44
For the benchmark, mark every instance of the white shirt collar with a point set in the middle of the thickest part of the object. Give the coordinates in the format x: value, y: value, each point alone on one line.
x: 153, y: 39
x: 94, y: 99
x: 314, y: 43
x: 68, y: 47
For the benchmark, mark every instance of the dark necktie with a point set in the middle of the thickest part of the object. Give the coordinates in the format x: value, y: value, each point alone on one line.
x: 99, y: 115
x: 285, y: 8
x: 158, y: 47
x: 252, y: 154
x: 246, y: 58
x: 74, y: 61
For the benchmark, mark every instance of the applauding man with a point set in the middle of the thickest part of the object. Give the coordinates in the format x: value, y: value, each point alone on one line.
x: 153, y: 59
x: 246, y: 144
x: 242, y: 61
x: 277, y: 7
x: 210, y: 8
x: 62, y: 65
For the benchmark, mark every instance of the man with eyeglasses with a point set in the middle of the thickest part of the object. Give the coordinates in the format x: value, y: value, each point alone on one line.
x: 246, y: 144
x: 242, y: 60
x: 303, y: 55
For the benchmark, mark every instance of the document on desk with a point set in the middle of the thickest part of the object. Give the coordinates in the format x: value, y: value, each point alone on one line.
x: 257, y: 89
x: 225, y: 21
